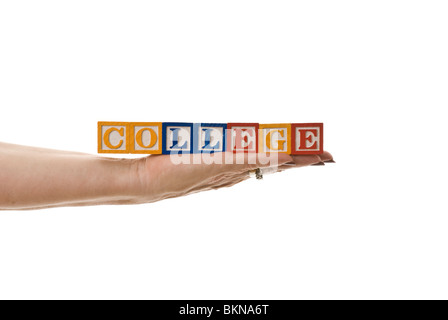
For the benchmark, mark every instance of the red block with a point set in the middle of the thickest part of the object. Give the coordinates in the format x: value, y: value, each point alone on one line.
x: 307, y: 138
x: 242, y: 137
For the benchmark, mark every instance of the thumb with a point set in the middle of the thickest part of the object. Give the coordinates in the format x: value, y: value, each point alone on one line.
x: 251, y: 161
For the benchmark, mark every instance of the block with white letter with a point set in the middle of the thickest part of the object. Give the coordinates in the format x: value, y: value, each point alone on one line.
x: 145, y: 137
x: 307, y: 138
x: 113, y: 137
x: 209, y: 137
x: 242, y: 137
x: 275, y: 138
x: 177, y: 137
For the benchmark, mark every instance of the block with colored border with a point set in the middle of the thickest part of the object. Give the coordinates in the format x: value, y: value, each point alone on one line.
x: 209, y: 137
x: 177, y: 137
x: 242, y: 137
x: 113, y: 137
x: 275, y: 138
x: 307, y: 138
x: 145, y: 137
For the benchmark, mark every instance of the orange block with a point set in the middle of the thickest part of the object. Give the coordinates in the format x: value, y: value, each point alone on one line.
x: 113, y: 137
x: 146, y: 137
x: 275, y: 138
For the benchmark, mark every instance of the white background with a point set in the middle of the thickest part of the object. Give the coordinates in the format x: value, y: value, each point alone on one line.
x: 374, y: 225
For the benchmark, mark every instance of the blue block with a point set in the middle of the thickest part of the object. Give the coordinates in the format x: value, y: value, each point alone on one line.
x: 177, y: 137
x: 209, y: 137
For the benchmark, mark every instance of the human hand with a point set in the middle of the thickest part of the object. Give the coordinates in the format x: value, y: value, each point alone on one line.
x: 159, y: 178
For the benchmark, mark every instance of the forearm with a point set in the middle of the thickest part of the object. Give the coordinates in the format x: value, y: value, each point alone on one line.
x: 38, y: 178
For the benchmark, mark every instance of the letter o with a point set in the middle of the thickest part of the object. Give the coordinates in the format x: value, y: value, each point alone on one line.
x: 139, y: 138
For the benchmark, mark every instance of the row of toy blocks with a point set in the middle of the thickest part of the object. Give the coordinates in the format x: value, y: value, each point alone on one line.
x: 180, y: 137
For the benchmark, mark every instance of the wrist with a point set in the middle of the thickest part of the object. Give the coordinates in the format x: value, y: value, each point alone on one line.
x: 118, y: 179
x: 136, y: 189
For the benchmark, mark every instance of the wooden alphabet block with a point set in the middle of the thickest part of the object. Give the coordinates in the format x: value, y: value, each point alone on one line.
x: 209, y: 137
x: 183, y: 137
x: 275, y: 138
x: 177, y: 137
x: 113, y: 137
x: 242, y: 137
x: 145, y: 137
x: 307, y: 138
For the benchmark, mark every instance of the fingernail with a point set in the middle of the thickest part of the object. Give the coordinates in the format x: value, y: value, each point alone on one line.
x: 319, y: 164
x: 330, y: 161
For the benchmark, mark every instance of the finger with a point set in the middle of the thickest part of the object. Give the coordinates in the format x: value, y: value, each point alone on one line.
x: 219, y: 178
x: 223, y: 184
x: 326, y: 157
x: 231, y: 183
x: 223, y: 162
x: 306, y: 160
x: 261, y: 160
x: 228, y: 162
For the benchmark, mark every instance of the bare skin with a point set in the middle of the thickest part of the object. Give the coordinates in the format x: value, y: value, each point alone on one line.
x: 35, y: 178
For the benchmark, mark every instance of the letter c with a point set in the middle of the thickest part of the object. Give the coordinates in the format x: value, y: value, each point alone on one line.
x: 107, y: 135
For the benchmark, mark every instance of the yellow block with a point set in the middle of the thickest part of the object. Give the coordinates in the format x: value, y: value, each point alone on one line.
x: 275, y: 138
x: 113, y: 137
x: 146, y: 137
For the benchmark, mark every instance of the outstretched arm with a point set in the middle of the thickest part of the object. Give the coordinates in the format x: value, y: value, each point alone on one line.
x: 38, y: 178
x: 34, y: 178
